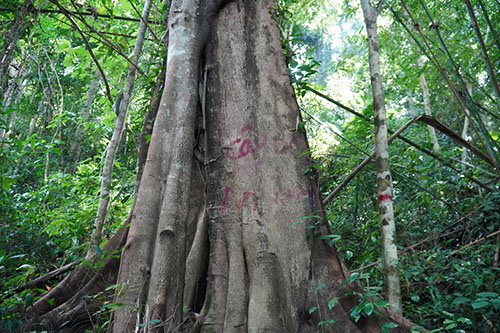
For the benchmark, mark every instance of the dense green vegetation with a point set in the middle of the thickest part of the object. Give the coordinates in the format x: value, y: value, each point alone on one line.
x: 54, y: 141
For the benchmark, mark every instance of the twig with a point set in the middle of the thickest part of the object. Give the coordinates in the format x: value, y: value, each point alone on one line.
x: 110, y: 44
x: 141, y: 18
x: 334, y: 193
x: 89, y: 48
x: 52, y: 11
x: 401, y: 137
x: 33, y: 283
x: 474, y: 242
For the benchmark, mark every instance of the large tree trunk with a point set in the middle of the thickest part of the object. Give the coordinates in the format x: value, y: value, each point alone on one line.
x: 384, y: 179
x: 239, y: 235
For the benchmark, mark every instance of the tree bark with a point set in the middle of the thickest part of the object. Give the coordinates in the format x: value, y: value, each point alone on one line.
x: 384, y: 179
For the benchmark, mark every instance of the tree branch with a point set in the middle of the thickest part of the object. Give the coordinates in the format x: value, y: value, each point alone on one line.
x: 52, y: 11
x: 35, y: 282
x: 89, y: 48
x: 474, y: 242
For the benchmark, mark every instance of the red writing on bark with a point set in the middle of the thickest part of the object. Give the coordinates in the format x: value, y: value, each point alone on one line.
x: 241, y: 147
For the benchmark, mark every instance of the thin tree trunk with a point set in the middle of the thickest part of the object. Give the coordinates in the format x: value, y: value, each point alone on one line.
x: 107, y: 173
x: 484, y: 50
x: 465, y: 128
x: 10, y: 42
x: 427, y: 108
x: 384, y: 179
x: 84, y: 113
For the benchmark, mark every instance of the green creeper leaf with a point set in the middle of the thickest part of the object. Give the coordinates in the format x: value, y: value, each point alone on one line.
x: 314, y: 308
x: 385, y: 328
x: 325, y: 322
x: 348, y: 254
x: 332, y: 302
x: 381, y: 303
x: 368, y: 309
x: 114, y: 306
x: 321, y: 286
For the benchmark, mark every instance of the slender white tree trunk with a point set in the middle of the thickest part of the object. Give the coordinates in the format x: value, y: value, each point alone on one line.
x: 384, y: 180
x: 427, y: 108
x: 107, y: 172
x: 465, y: 129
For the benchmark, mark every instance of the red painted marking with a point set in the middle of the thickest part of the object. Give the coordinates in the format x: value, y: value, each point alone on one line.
x: 385, y: 197
x: 246, y: 128
x: 245, y: 148
x: 289, y: 194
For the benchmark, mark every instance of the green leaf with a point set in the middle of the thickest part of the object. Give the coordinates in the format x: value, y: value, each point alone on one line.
x: 28, y: 299
x: 479, y: 304
x: 461, y: 300
x: 63, y: 45
x: 114, y: 306
x: 368, y: 309
x: 332, y: 302
x: 385, y: 328
x: 325, y: 322
x: 68, y: 60
x: 321, y: 286
x: 7, y: 183
x: 415, y: 298
x: 314, y: 308
x: 98, y: 250
x: 381, y: 303
x: 348, y: 255
x: 451, y: 326
x: 487, y: 294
